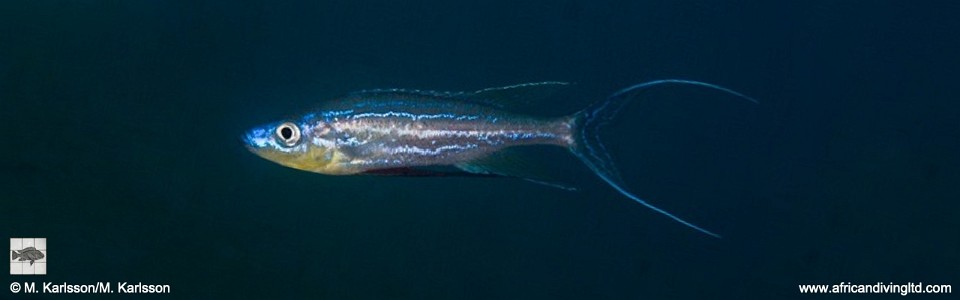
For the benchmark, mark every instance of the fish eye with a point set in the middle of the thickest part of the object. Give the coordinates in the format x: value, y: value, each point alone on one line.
x: 288, y: 133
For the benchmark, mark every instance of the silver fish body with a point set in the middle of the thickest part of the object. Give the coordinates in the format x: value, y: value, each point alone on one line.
x: 401, y: 133
x: 390, y: 130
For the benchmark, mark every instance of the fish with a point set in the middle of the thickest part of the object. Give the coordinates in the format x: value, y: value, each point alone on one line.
x: 404, y: 132
x: 28, y: 253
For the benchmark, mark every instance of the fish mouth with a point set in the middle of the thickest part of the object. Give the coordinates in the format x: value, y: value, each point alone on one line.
x: 245, y: 141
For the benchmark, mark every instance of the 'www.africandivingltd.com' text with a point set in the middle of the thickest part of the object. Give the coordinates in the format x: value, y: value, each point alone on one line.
x: 876, y: 288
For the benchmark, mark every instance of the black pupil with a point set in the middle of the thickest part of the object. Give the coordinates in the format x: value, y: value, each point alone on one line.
x: 286, y: 133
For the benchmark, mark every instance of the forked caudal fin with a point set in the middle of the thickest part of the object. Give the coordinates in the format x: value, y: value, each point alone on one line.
x: 592, y: 152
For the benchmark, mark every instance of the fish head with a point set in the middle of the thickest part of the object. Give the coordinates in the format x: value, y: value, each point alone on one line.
x: 302, y: 143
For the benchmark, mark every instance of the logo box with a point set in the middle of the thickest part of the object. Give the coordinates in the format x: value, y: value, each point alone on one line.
x: 28, y: 256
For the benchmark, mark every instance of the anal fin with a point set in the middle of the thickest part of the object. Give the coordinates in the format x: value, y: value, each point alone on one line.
x: 424, y: 172
x: 518, y: 162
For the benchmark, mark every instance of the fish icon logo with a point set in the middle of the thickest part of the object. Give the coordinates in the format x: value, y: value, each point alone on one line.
x: 28, y: 256
x: 28, y: 253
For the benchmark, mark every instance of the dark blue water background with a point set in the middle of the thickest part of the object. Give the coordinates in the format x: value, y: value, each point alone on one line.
x: 120, y: 122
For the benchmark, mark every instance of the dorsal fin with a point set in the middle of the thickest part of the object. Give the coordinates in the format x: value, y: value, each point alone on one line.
x: 407, y: 92
x: 516, y: 97
x: 513, y: 90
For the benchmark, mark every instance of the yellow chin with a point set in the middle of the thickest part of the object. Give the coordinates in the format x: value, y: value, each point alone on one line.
x: 314, y: 160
